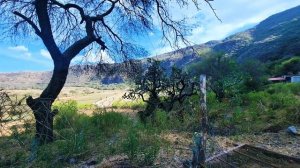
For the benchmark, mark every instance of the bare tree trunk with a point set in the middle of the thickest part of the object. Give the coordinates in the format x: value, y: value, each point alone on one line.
x: 41, y: 106
x: 180, y: 112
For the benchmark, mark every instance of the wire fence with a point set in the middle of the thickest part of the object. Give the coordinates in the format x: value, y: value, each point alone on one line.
x: 15, y: 115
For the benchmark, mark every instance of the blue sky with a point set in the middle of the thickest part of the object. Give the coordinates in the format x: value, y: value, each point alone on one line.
x: 236, y: 15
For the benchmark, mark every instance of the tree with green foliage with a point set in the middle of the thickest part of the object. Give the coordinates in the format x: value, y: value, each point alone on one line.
x: 224, y: 76
x: 149, y: 83
x: 255, y: 74
x: 180, y: 86
x: 289, y: 66
x: 163, y: 90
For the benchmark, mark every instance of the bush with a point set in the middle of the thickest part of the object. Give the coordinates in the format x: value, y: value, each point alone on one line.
x: 131, y: 144
x: 161, y: 119
x: 109, y: 122
x: 271, y: 109
x: 286, y: 88
x: 68, y: 116
x: 135, y: 104
x: 84, y: 106
x: 287, y: 66
x: 142, y: 148
x: 60, y: 152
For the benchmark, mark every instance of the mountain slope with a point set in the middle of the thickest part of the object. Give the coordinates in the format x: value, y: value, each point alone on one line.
x: 274, y: 38
x: 25, y: 80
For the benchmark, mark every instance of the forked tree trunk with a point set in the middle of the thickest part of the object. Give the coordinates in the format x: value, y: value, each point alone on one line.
x: 154, y: 103
x: 41, y: 106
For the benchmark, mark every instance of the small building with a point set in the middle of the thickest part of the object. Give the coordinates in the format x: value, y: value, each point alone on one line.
x: 295, y: 79
x: 285, y: 78
x: 277, y: 79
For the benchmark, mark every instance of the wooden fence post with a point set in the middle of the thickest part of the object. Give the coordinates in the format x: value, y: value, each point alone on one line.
x: 204, y: 119
x: 199, y: 149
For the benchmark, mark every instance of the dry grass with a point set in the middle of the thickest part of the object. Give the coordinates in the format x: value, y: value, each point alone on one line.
x: 180, y: 145
x: 83, y: 95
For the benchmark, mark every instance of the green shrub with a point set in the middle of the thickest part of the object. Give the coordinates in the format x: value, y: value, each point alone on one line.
x: 58, y: 153
x: 131, y: 144
x: 292, y: 88
x: 141, y: 147
x: 275, y: 106
x: 135, y: 104
x: 287, y: 66
x: 295, y: 88
x: 161, y: 119
x: 282, y: 100
x: 68, y: 116
x: 109, y: 122
x: 84, y: 106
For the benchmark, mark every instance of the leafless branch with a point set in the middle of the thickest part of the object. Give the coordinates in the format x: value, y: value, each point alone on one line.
x: 31, y: 23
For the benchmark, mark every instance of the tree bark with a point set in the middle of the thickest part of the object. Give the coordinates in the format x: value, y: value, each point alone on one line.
x: 41, y: 106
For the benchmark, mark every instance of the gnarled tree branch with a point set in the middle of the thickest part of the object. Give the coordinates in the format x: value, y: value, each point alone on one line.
x: 30, y: 22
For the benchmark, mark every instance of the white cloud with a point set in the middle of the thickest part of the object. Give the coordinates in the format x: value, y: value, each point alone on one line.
x: 45, y: 53
x: 235, y: 15
x: 19, y: 48
x: 21, y: 52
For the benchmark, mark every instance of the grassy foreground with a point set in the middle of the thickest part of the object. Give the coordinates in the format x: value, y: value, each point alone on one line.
x: 81, y: 137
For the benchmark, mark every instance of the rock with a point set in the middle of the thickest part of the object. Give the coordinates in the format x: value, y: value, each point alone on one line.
x: 90, y: 163
x: 118, y: 161
x: 72, y: 161
x: 292, y: 130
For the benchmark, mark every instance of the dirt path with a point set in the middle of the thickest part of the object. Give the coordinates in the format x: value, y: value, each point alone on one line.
x: 107, y: 101
x: 83, y: 95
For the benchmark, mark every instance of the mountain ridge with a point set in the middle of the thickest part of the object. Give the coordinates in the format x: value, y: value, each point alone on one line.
x: 269, y: 40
